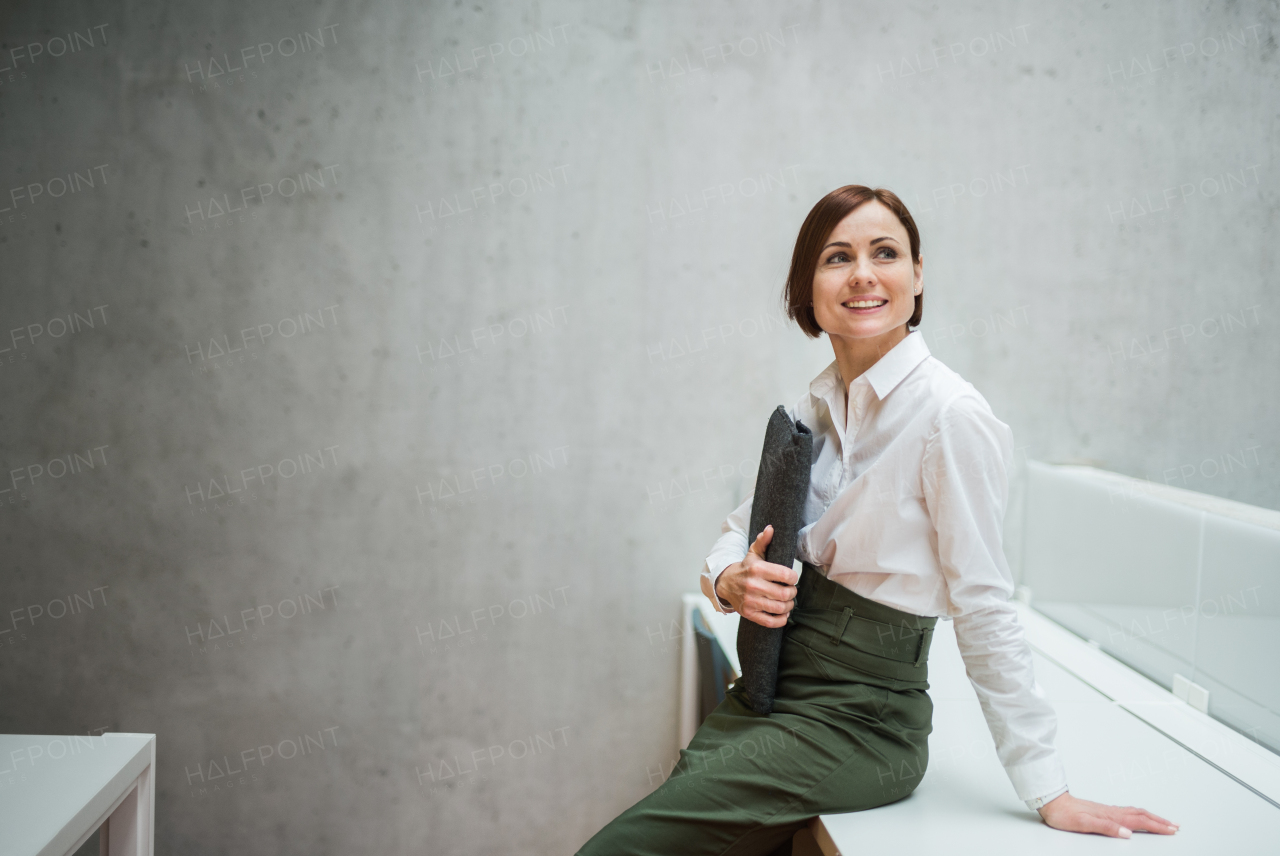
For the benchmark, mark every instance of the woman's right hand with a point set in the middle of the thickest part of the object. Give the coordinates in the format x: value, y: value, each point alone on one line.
x: 759, y: 591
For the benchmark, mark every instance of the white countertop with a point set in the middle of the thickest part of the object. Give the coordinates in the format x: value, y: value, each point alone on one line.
x: 965, y: 804
x: 56, y: 789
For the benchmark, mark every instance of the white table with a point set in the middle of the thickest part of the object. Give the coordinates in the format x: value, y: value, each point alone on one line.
x: 1113, y: 752
x: 57, y: 790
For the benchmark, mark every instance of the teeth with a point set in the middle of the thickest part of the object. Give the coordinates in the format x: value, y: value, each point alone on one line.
x: 864, y: 304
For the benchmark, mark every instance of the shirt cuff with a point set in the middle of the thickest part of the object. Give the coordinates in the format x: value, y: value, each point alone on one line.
x: 804, y: 546
x: 709, y: 578
x: 1038, y: 780
x: 1038, y: 802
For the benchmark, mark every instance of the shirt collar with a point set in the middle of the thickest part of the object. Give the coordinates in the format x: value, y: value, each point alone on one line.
x: 889, y: 371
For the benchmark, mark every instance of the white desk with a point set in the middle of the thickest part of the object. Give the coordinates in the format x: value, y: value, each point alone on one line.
x: 55, y: 791
x: 965, y: 803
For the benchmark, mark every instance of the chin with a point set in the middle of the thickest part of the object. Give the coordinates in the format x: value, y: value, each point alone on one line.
x: 873, y: 334
x: 869, y: 327
x: 865, y: 330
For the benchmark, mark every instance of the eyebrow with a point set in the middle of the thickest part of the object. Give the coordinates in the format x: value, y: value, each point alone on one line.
x: 873, y: 243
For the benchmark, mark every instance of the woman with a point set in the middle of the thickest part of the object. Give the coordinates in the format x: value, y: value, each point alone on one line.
x: 902, y: 525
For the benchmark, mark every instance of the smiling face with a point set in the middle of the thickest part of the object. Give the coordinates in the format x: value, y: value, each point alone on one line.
x: 865, y: 282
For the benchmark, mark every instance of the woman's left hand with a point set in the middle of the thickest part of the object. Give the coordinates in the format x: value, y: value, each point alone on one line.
x: 1075, y: 815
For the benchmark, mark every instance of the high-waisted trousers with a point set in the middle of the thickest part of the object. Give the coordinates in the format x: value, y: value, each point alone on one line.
x: 849, y: 731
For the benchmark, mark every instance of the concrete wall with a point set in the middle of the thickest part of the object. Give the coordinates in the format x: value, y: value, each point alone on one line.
x: 457, y: 328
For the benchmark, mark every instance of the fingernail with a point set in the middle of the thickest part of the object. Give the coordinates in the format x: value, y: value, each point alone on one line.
x: 1174, y: 827
x: 1125, y: 833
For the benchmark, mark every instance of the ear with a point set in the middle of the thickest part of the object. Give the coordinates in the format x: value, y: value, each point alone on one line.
x: 919, y: 276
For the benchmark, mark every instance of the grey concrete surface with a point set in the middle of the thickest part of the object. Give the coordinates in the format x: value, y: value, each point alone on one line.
x: 376, y: 375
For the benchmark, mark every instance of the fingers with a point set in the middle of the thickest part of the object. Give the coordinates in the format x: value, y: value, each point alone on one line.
x: 758, y: 586
x: 777, y: 591
x: 1139, y: 819
x: 765, y: 619
x: 1157, y: 818
x: 767, y: 603
x: 762, y: 541
x: 1100, y: 819
x: 765, y: 610
x: 769, y: 570
x: 1085, y: 822
x: 778, y: 573
x: 777, y: 607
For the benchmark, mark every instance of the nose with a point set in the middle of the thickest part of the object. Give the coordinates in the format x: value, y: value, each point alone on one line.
x: 862, y: 272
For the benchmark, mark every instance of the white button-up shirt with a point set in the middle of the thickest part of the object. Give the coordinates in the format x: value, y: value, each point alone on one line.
x: 906, y: 507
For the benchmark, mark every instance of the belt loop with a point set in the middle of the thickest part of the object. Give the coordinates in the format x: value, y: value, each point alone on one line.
x: 844, y: 622
x: 925, y: 635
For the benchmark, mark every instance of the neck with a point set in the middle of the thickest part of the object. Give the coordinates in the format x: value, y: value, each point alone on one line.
x: 855, y: 356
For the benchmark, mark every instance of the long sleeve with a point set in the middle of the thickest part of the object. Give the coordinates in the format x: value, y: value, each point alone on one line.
x: 730, y: 547
x: 965, y: 474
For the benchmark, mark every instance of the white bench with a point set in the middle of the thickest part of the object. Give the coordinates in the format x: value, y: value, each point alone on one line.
x: 1124, y: 739
x: 57, y: 790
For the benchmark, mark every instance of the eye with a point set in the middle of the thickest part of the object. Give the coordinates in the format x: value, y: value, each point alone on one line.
x: 838, y: 256
x: 887, y: 253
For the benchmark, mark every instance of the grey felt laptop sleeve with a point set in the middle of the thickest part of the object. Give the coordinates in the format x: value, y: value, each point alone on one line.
x: 782, y: 484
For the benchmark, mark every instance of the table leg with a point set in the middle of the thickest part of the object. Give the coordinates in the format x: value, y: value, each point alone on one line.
x: 130, y: 831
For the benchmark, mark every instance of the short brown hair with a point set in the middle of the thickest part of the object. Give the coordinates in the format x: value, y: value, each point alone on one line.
x: 815, y: 230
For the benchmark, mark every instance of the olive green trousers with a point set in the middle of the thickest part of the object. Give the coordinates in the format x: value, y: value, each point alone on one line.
x: 849, y: 731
